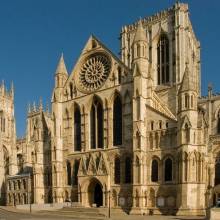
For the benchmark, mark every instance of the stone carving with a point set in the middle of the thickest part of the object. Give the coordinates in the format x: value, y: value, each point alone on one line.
x: 94, y: 72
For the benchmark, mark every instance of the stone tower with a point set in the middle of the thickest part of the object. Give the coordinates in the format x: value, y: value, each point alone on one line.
x: 8, y: 160
x: 61, y: 76
x: 38, y: 153
x: 140, y: 66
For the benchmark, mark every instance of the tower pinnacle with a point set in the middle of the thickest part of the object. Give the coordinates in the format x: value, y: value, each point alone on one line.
x: 140, y: 33
x: 61, y: 67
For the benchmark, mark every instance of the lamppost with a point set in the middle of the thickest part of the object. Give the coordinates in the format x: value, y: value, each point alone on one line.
x: 30, y: 191
x: 109, y: 193
x: 109, y: 203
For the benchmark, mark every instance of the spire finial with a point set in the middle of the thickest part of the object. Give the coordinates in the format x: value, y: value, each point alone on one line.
x: 41, y: 104
x: 140, y: 34
x: 29, y: 108
x: 210, y: 88
x: 61, y: 67
x: 3, y: 87
x: 34, y: 107
x: 140, y: 19
x: 12, y: 89
x: 47, y: 108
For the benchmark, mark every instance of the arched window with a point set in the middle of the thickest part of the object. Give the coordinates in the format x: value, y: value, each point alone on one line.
x: 137, y: 174
x: 128, y: 170
x: 192, y: 101
x: 186, y: 101
x: 138, y: 140
x: 160, y: 124
x: 93, y: 127
x: 54, y: 125
x: 71, y: 90
x: 187, y: 133
x: 157, y: 140
x: 2, y: 124
x: 163, y: 60
x: 152, y: 125
x: 119, y: 75
x: 19, y: 184
x: 6, y: 160
x: 138, y: 105
x: 151, y: 141
x: 49, y: 178
x: 154, y: 171
x: 218, y: 125
x: 180, y: 103
x: 14, y: 184
x: 68, y: 170
x: 96, y: 125
x: 185, y: 165
x: 75, y: 172
x: 117, y: 170
x: 20, y: 162
x: 117, y: 121
x: 77, y: 129
x: 138, y: 51
x: 66, y: 120
x: 217, y: 171
x: 168, y: 170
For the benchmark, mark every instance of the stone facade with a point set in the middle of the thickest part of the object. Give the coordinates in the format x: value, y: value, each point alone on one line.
x: 133, y: 130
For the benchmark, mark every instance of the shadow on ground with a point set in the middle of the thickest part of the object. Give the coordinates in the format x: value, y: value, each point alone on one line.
x: 190, y: 218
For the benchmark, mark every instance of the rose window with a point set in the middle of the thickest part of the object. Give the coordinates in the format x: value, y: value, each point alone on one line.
x: 94, y: 72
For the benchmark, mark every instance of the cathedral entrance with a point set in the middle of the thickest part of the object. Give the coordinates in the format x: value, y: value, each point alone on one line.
x: 98, y: 200
x: 95, y: 193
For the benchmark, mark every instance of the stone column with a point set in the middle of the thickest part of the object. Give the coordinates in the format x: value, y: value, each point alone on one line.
x: 110, y: 127
x: 85, y: 135
x: 106, y: 127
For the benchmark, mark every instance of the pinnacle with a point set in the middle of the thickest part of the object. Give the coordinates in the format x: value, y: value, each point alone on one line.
x: 187, y: 82
x: 61, y: 67
x: 140, y: 33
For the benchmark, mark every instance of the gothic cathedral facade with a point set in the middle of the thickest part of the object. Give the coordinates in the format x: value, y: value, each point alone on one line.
x: 134, y: 130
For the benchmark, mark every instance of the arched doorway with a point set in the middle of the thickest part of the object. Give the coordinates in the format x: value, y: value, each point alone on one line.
x: 217, y: 170
x: 95, y: 193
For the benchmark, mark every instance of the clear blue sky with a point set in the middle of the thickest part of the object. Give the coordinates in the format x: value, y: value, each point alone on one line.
x: 33, y: 34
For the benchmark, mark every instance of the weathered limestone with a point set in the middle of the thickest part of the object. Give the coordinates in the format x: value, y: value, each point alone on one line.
x: 134, y: 133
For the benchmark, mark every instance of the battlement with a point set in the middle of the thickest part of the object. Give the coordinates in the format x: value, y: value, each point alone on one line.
x: 150, y: 20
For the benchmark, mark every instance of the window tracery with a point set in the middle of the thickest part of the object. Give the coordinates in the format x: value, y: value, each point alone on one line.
x: 96, y: 125
x: 163, y: 60
x: 117, y: 121
x: 94, y: 72
x: 77, y: 129
x: 117, y: 170
x: 154, y: 171
x: 168, y: 170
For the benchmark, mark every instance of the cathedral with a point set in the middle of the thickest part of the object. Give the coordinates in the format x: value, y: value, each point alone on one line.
x: 132, y: 132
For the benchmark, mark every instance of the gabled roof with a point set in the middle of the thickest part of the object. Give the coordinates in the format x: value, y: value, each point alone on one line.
x: 160, y: 106
x: 99, y: 43
x: 93, y: 44
x: 185, y: 120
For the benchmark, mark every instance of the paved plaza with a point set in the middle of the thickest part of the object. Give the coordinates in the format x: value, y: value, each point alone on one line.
x: 13, y: 214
